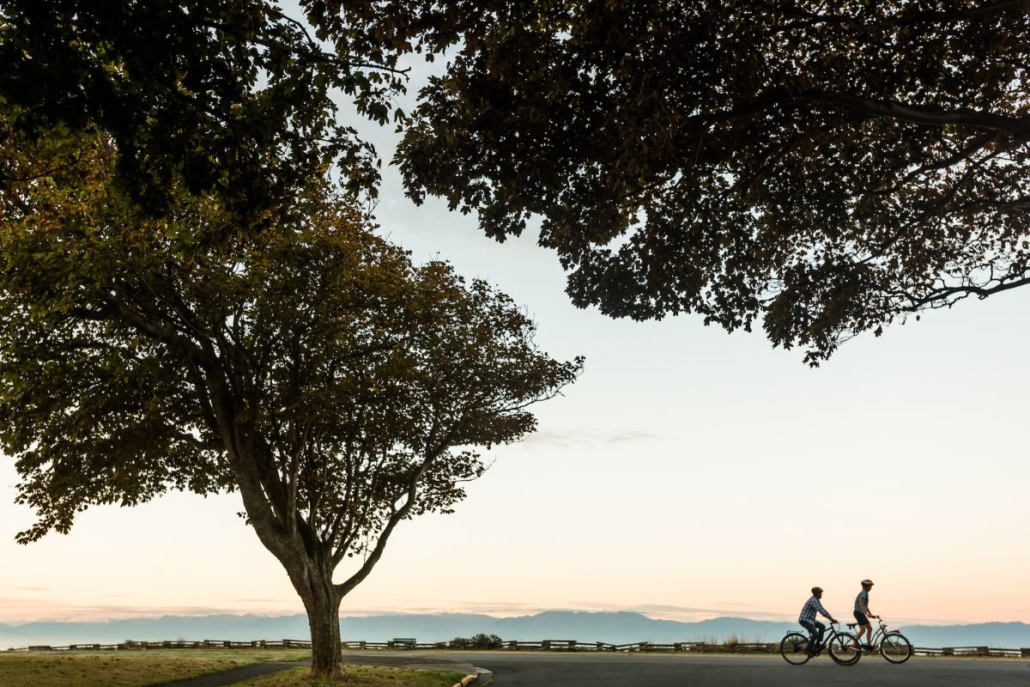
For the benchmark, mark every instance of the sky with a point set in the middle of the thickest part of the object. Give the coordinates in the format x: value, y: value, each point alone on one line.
x: 688, y: 474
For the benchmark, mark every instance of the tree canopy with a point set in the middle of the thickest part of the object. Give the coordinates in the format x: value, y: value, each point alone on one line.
x: 209, y: 95
x: 311, y: 367
x: 817, y: 169
x: 820, y: 169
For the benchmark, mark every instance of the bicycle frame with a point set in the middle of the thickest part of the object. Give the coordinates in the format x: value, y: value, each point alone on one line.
x: 835, y: 642
x: 829, y: 634
x: 879, y: 633
x: 898, y: 650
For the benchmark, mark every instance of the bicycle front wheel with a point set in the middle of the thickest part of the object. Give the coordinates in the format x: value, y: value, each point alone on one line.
x: 842, y: 649
x: 794, y: 648
x: 896, y: 648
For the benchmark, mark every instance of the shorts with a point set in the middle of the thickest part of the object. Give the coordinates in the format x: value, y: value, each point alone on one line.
x: 860, y: 617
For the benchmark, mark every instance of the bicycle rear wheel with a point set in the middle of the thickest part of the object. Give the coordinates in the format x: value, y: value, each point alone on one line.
x: 895, y: 647
x: 794, y: 648
x: 842, y: 651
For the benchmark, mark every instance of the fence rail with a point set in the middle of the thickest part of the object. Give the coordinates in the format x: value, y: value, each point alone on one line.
x: 133, y: 645
x: 512, y: 645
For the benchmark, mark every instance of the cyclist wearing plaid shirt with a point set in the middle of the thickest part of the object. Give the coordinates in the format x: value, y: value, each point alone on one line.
x: 808, y: 621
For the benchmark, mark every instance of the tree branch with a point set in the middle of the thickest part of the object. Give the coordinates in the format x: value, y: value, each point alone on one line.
x: 920, y: 114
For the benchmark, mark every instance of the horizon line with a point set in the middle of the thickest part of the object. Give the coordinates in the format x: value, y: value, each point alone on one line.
x: 82, y: 616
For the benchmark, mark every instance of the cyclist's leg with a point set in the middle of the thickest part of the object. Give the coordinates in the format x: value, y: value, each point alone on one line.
x: 813, y: 632
x: 864, y: 628
x: 820, y: 630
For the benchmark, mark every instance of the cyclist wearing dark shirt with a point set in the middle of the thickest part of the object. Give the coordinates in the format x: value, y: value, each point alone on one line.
x: 808, y: 621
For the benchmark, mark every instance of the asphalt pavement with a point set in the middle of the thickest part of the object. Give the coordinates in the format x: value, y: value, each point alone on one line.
x: 537, y: 669
x: 231, y: 677
x: 534, y: 669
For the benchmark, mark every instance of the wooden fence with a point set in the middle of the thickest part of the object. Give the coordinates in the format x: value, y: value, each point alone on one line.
x: 740, y: 647
x: 513, y: 645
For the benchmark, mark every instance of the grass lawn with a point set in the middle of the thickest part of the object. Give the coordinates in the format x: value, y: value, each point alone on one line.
x: 156, y: 667
x: 128, y: 668
x: 362, y: 676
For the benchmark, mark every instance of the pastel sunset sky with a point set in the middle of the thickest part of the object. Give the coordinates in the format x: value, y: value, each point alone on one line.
x: 688, y: 474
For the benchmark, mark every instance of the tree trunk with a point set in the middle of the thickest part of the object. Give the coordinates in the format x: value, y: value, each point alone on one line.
x: 322, y: 603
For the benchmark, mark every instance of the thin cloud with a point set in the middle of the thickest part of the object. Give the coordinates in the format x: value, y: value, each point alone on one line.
x: 657, y: 611
x: 501, y: 608
x: 497, y: 609
x: 19, y: 611
x: 257, y: 600
x: 571, y: 438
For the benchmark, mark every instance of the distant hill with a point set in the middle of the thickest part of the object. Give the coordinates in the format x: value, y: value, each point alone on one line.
x: 624, y: 627
x: 611, y: 627
x: 233, y: 627
x: 1003, y: 635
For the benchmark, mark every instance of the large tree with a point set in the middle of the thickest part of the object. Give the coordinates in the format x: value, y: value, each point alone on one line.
x: 309, y: 366
x: 822, y: 168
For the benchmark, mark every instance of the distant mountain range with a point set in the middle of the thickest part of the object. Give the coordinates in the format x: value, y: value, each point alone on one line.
x: 611, y: 627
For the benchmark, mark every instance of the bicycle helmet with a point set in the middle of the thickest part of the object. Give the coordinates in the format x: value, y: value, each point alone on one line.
x: 816, y: 590
x: 867, y: 583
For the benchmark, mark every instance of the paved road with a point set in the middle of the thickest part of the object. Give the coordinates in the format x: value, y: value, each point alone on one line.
x: 651, y: 670
x: 231, y: 677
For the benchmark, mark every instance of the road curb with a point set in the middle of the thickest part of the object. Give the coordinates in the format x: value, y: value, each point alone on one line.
x: 469, y: 679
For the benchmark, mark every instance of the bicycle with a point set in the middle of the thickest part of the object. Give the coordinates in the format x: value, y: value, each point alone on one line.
x: 794, y: 647
x: 891, y: 644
